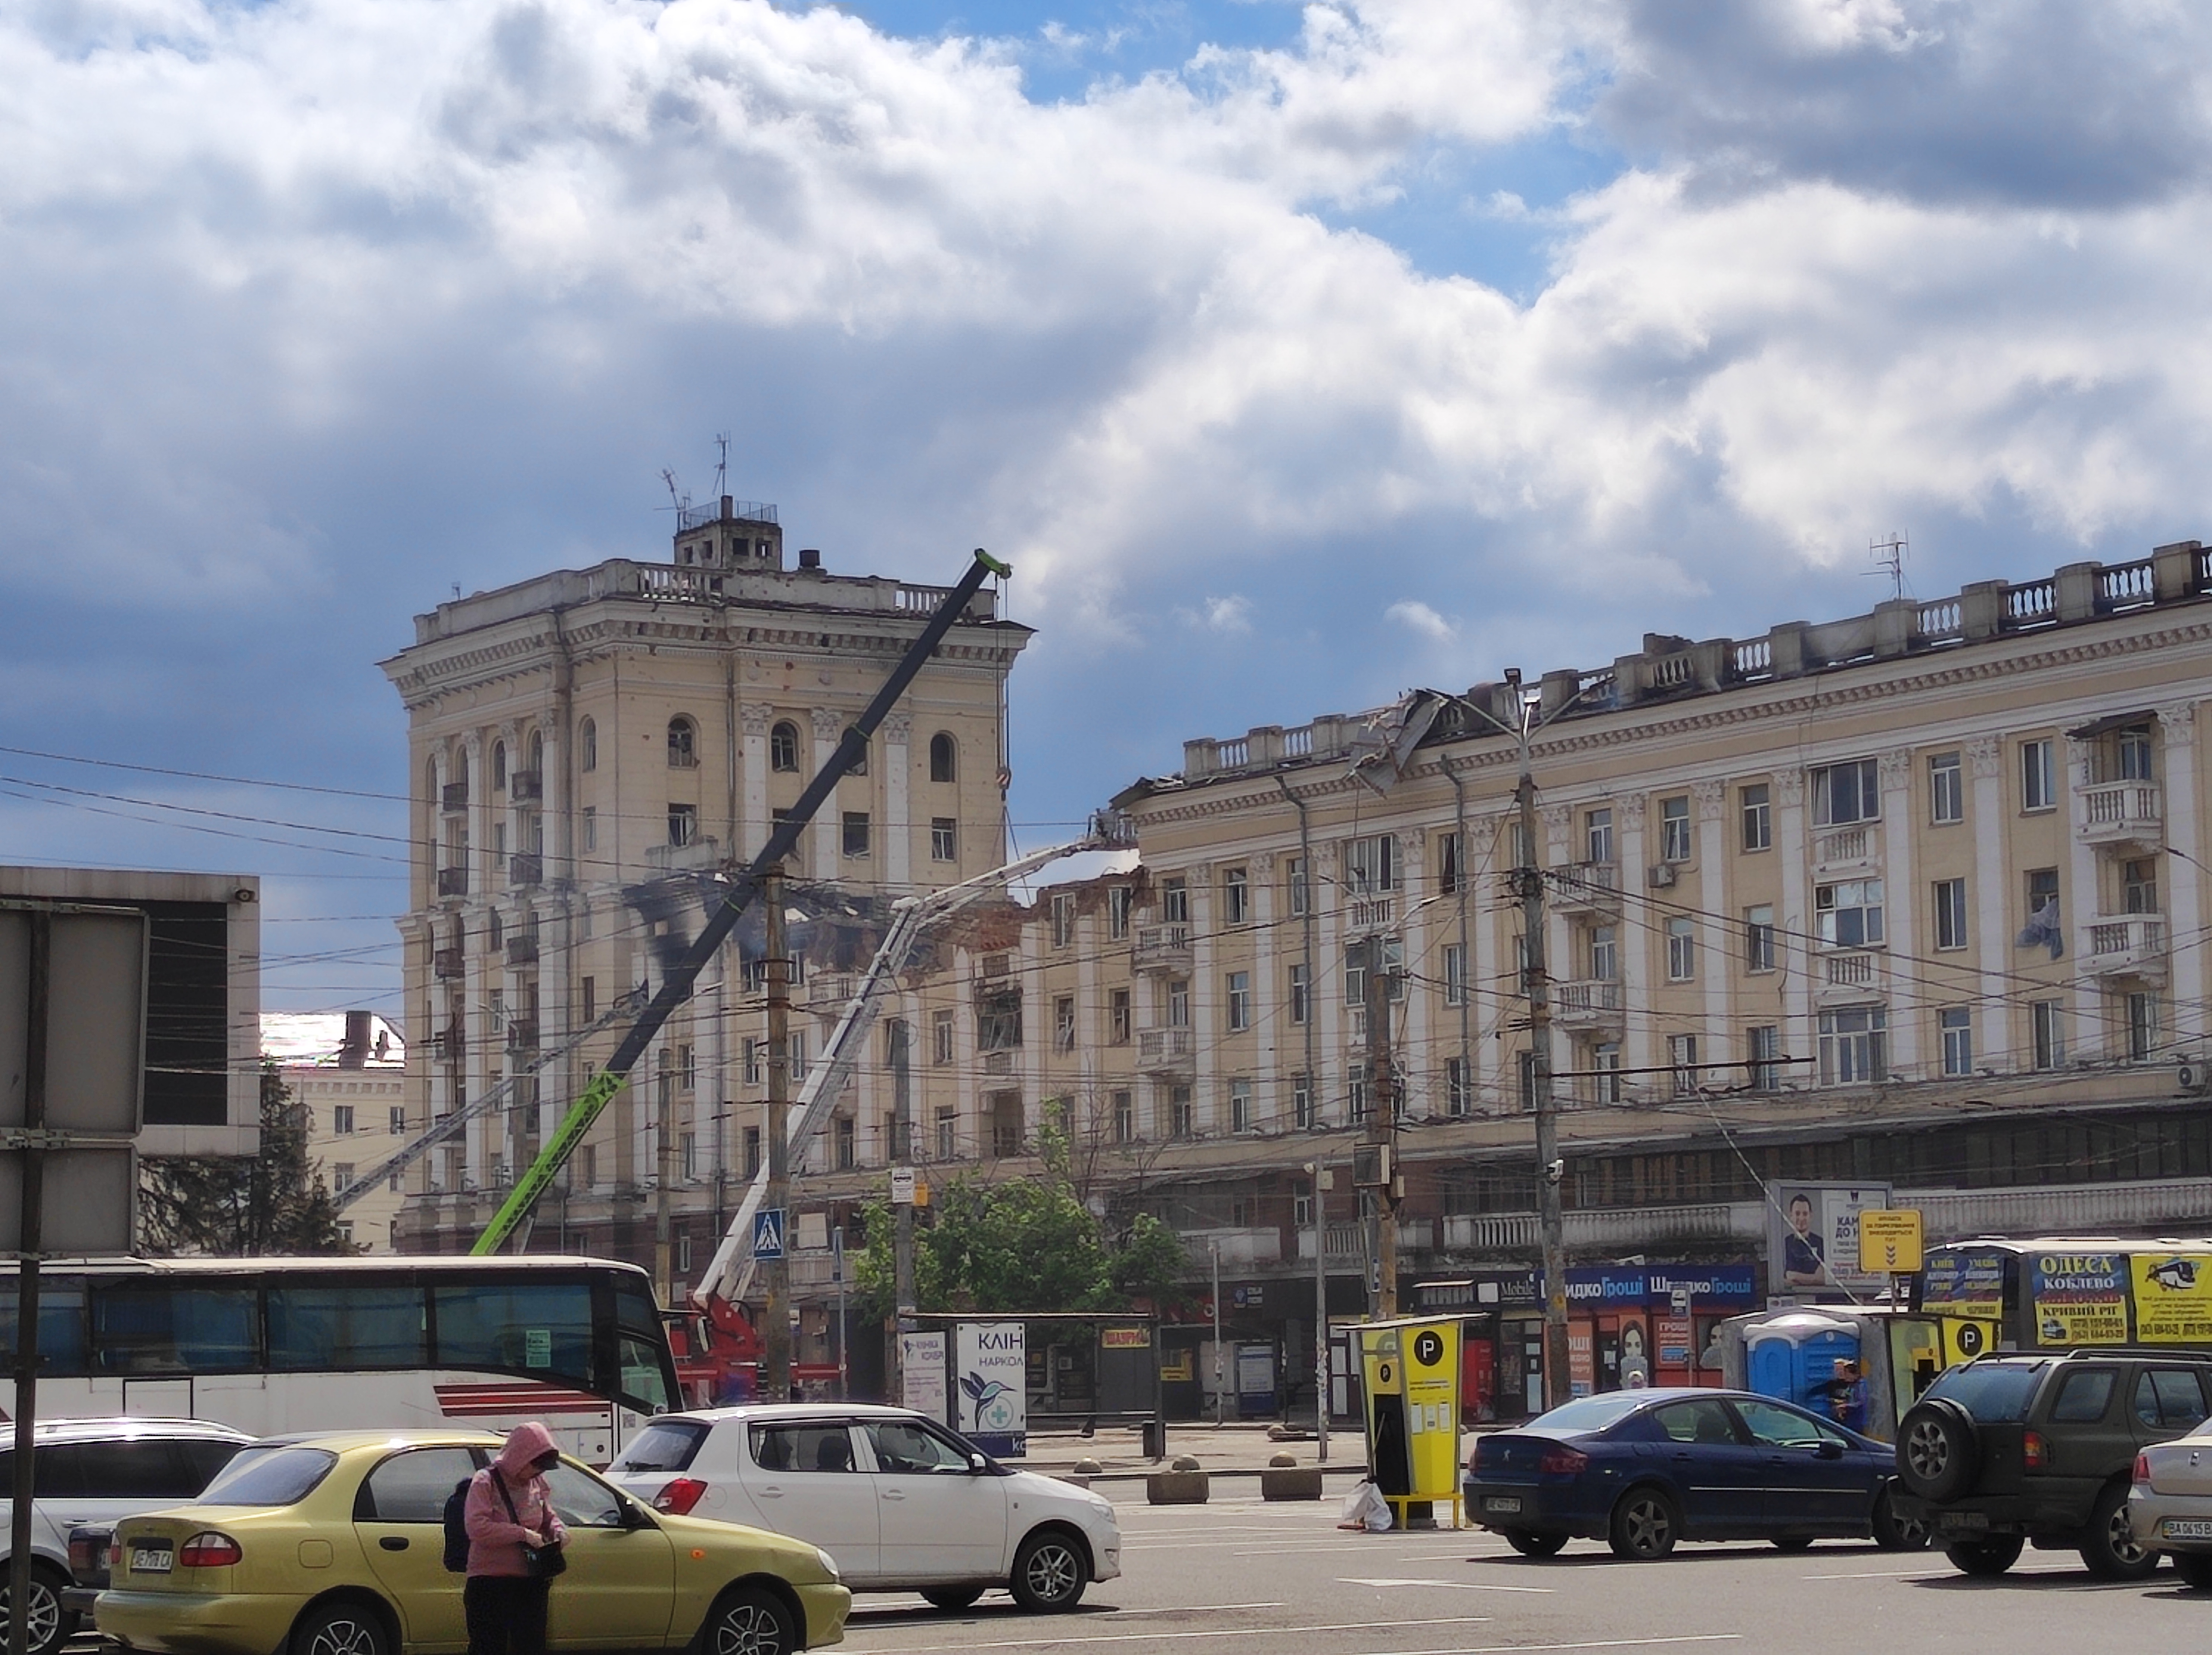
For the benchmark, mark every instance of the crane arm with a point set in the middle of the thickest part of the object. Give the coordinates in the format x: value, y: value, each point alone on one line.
x: 676, y: 986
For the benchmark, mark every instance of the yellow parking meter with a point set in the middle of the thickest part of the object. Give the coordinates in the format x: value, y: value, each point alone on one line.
x: 1411, y: 1369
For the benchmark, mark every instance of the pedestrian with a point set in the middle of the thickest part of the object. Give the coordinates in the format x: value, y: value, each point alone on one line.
x: 512, y: 1528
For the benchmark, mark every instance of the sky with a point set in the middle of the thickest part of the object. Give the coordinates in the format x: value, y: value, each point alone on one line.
x: 1293, y: 355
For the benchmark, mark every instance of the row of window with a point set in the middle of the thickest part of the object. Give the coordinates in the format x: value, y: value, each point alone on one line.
x: 782, y: 749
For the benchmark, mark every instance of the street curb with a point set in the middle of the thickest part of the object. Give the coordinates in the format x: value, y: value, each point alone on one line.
x: 1255, y: 1471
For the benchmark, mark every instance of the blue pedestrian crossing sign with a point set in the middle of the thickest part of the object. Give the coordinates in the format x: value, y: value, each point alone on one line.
x: 768, y: 1233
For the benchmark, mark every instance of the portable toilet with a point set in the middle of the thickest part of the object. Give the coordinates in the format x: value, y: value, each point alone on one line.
x: 1794, y: 1352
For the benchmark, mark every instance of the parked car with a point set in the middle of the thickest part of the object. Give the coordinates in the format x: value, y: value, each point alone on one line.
x: 334, y: 1542
x: 2014, y: 1448
x: 93, y: 1472
x: 2170, y: 1504
x: 1644, y: 1470
x: 900, y: 1502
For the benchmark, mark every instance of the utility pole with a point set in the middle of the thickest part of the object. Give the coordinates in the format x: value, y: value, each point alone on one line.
x: 901, y: 1211
x: 775, y: 1334
x: 1216, y: 1246
x: 1382, y: 1129
x: 664, y: 1266
x: 1320, y: 1175
x: 1549, y: 1168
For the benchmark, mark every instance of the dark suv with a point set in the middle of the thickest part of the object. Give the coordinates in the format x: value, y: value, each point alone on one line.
x: 2014, y: 1448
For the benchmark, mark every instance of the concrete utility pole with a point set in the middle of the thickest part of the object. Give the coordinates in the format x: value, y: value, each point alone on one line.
x: 1382, y: 1129
x: 1320, y: 1175
x: 776, y: 1332
x: 664, y: 1264
x: 903, y: 1211
x: 1550, y: 1168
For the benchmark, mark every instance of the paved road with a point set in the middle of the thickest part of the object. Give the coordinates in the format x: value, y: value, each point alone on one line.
x: 1240, y: 1578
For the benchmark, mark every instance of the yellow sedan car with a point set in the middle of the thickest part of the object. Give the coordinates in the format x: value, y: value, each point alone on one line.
x: 333, y: 1544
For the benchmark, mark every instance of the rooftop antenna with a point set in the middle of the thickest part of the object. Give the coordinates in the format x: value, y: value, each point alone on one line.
x: 678, y: 498
x: 721, y: 464
x: 1889, y: 557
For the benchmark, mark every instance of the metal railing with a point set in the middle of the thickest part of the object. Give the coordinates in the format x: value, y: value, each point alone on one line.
x: 688, y: 518
x: 1164, y: 1046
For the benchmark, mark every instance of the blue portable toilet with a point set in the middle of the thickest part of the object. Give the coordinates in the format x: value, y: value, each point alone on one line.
x: 1794, y: 1352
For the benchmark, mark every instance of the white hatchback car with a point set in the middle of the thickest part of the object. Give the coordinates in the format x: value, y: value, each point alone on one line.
x: 900, y: 1502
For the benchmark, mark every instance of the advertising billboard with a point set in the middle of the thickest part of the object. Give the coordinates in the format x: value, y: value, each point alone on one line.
x: 1813, y: 1239
x: 991, y: 1361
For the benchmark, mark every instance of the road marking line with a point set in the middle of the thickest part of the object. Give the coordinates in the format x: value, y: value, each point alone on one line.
x: 1229, y: 1632
x: 1449, y: 1585
x: 1594, y: 1643
x: 896, y: 1615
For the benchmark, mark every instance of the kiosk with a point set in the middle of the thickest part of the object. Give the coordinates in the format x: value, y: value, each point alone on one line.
x: 1410, y: 1373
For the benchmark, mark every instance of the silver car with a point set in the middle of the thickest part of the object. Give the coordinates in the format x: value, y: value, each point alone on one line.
x: 2170, y: 1507
x: 900, y: 1502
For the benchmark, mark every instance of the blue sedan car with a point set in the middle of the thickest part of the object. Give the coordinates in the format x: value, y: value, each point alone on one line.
x: 1642, y: 1470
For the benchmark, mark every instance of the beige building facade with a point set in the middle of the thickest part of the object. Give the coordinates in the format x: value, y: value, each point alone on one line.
x: 591, y: 750
x: 348, y: 1074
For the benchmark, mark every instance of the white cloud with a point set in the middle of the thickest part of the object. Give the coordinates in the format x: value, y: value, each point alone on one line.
x: 1418, y: 617
x: 1231, y: 615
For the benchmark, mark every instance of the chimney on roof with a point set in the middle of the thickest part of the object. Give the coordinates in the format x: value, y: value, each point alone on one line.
x: 729, y: 505
x: 810, y: 557
x: 354, y: 1054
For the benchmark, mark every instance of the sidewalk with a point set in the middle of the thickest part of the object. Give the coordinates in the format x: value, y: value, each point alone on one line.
x: 1236, y: 1449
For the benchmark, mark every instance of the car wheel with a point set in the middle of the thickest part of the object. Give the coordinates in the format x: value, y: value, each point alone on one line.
x: 2109, y: 1547
x: 748, y: 1620
x: 1646, y: 1523
x: 1050, y: 1571
x: 1895, y: 1533
x: 1984, y: 1557
x: 52, y: 1626
x: 1937, y: 1451
x: 952, y: 1599
x: 1533, y: 1542
x: 1792, y: 1542
x: 2194, y: 1569
x: 343, y: 1628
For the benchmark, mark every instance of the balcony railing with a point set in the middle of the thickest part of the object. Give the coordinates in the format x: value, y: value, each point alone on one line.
x: 1843, y: 847
x: 1587, y: 1003
x: 453, y: 882
x: 522, y: 950
x: 1165, y: 1048
x: 447, y: 963
x: 1366, y: 915
x: 698, y: 856
x: 2122, y: 812
x: 454, y: 796
x: 525, y: 870
x: 1163, y: 948
x: 1243, y: 1246
x: 1586, y: 888
x: 527, y: 786
x: 1855, y: 970
x: 522, y: 1034
x: 2125, y: 945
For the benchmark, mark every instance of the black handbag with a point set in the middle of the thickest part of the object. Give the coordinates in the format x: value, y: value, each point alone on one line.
x: 538, y: 1562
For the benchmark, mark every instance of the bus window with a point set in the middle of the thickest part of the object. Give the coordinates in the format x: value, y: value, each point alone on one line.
x: 174, y: 1327
x: 61, y: 1325
x: 345, y: 1326
x: 644, y: 1387
x: 544, y: 1330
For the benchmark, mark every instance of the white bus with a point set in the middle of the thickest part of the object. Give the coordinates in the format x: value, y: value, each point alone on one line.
x: 272, y: 1345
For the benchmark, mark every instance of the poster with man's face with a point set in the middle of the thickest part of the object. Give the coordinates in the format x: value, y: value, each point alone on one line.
x: 1813, y: 1239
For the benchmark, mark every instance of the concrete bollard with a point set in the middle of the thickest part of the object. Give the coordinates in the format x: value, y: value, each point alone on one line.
x: 1284, y: 1478
x: 1182, y: 1485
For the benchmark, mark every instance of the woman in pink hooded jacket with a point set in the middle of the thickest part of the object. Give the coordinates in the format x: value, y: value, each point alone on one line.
x: 505, y: 1606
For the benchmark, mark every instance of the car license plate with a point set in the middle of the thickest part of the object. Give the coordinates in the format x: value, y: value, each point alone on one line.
x: 1960, y: 1522
x: 152, y: 1560
x: 1504, y: 1504
x: 2186, y: 1528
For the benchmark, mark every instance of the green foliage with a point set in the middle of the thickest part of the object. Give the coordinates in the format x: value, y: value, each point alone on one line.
x: 1024, y: 1244
x: 228, y: 1206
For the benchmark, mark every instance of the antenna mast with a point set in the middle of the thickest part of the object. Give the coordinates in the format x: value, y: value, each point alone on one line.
x: 1889, y: 557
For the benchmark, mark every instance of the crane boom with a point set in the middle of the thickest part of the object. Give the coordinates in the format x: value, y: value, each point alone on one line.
x: 676, y: 986
x: 728, y: 1276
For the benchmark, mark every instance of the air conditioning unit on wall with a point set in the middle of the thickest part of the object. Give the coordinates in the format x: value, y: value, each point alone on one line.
x: 1660, y: 876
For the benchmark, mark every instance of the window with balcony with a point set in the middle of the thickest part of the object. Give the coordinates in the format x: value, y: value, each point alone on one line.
x: 1950, y: 905
x: 944, y: 839
x: 1755, y: 812
x: 1174, y: 901
x: 1597, y: 835
x: 2139, y: 885
x: 1946, y: 790
x: 1762, y: 1046
x: 683, y: 743
x: 855, y: 835
x: 1848, y: 913
x: 1846, y: 793
x: 683, y: 824
x: 1117, y: 1015
x: 940, y: 1033
x: 1371, y: 865
x: 1176, y: 1002
x: 1235, y: 897
x: 1240, y: 1106
x: 944, y: 757
x: 2038, y: 778
x: 1955, y: 1024
x: 1300, y: 995
x: 2132, y: 753
x: 1455, y: 984
x: 1758, y: 937
x: 1854, y: 1045
x: 2047, y: 1020
x: 1682, y: 1058
x: 783, y: 746
x: 1675, y: 829
x: 1063, y: 920
x: 1448, y: 863
x: 1681, y: 950
x: 1240, y: 1001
